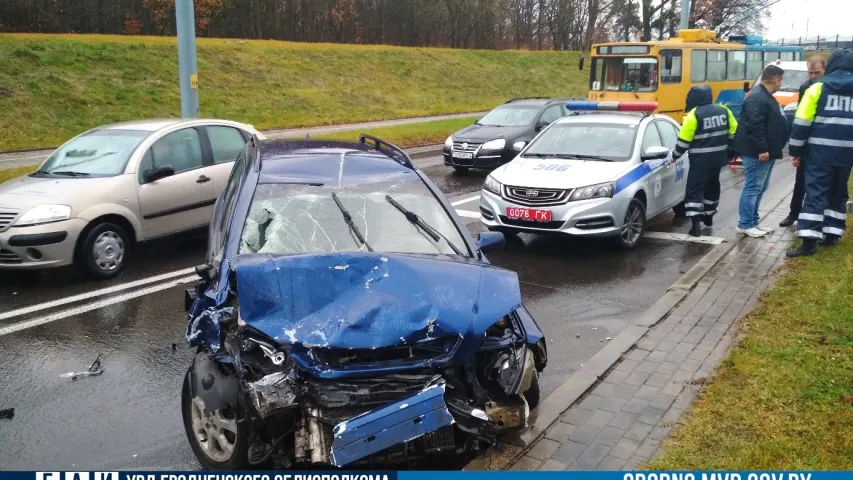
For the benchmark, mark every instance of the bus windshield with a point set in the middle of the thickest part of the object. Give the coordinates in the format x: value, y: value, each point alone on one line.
x: 625, y: 74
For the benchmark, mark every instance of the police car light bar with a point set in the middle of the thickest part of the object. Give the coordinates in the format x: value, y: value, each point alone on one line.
x: 645, y: 107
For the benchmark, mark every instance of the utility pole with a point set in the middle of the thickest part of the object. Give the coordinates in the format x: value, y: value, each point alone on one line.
x: 187, y: 62
x: 685, y: 15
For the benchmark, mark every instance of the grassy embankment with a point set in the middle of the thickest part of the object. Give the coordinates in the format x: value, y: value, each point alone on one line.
x: 783, y: 398
x: 55, y: 86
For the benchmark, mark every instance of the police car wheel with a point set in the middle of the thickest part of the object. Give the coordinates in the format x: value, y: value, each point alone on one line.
x: 218, y: 439
x: 634, y: 224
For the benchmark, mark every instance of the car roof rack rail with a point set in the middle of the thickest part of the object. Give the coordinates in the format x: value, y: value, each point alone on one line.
x: 389, y: 149
x: 526, y: 98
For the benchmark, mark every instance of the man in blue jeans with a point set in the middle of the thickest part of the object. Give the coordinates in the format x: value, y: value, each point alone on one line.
x: 761, y: 135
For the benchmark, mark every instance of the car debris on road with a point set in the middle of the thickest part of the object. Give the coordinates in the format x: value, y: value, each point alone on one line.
x: 94, y: 370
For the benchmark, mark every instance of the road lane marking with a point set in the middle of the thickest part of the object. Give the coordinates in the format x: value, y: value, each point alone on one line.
x: 465, y: 200
x: 467, y: 213
x: 17, y: 327
x: 94, y: 293
x: 683, y: 237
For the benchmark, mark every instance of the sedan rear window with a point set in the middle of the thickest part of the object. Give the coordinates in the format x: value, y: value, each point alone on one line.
x: 301, y: 219
x: 611, y: 141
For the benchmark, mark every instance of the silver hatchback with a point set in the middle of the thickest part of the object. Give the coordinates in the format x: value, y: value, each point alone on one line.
x: 114, y: 186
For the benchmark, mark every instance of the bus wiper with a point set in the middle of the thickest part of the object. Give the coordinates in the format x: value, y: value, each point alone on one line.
x: 350, y: 223
x: 416, y: 220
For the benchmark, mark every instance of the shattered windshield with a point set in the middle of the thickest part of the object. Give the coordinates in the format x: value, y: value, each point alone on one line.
x: 289, y: 219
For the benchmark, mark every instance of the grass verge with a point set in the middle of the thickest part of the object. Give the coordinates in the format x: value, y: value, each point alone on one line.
x: 55, y: 86
x: 11, y: 173
x: 783, y: 398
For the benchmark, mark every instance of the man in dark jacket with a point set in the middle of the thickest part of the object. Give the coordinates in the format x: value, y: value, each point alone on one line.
x: 823, y: 131
x: 705, y: 133
x: 816, y: 66
x: 761, y: 135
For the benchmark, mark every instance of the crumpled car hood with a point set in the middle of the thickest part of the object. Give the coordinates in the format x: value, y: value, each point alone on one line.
x: 372, y: 300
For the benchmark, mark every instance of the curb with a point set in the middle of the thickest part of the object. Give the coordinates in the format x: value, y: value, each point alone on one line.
x: 513, y: 447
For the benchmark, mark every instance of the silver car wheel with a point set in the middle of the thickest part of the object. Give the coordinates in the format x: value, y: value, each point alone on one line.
x: 108, y: 251
x: 632, y: 227
x: 215, y: 432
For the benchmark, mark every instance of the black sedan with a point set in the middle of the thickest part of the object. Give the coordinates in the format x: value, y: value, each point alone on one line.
x: 497, y: 137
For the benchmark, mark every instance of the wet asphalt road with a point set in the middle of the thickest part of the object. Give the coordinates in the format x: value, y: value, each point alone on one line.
x: 580, y: 292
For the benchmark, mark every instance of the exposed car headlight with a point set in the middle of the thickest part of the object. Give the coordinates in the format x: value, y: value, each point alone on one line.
x: 791, y: 107
x: 494, y: 144
x: 449, y: 142
x: 44, y: 214
x: 602, y: 190
x: 492, y: 185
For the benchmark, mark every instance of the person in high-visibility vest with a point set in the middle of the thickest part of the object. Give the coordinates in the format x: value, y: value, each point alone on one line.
x: 823, y: 131
x: 706, y: 133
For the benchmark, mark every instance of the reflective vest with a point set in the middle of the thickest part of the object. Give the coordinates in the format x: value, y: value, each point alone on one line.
x: 706, y: 133
x: 823, y: 126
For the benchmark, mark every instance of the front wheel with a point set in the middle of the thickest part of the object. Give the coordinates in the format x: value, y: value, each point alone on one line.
x: 633, y: 226
x: 104, y: 250
x: 218, y: 439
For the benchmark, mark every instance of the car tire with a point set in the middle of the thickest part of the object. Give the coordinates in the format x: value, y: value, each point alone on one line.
x: 104, y: 250
x: 461, y: 169
x: 633, y: 226
x: 533, y: 394
x: 232, y: 453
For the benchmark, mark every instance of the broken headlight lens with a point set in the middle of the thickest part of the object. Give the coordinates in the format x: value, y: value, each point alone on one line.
x: 499, y: 328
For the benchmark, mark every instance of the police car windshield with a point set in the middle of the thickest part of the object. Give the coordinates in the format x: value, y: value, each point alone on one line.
x: 509, y: 116
x: 613, y: 142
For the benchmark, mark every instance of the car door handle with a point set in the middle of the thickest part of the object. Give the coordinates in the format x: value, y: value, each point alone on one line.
x: 202, y: 179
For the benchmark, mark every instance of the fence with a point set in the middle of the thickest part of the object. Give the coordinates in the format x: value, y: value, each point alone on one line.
x: 820, y: 42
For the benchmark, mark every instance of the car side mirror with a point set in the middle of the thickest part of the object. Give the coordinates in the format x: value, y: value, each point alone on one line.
x: 655, y: 152
x: 490, y: 241
x: 158, y: 173
x: 540, y: 126
x: 518, y: 146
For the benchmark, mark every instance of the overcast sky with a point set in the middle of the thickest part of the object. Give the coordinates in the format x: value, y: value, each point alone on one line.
x: 825, y: 18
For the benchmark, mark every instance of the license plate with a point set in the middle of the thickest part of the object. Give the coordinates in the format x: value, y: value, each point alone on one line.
x: 466, y: 155
x: 529, y: 214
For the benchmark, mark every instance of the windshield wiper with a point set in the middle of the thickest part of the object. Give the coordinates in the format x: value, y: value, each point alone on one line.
x: 416, y: 220
x: 67, y: 173
x: 350, y: 223
x: 588, y: 157
x: 568, y: 155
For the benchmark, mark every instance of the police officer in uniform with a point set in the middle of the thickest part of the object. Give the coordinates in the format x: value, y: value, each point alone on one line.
x: 823, y: 131
x: 705, y: 134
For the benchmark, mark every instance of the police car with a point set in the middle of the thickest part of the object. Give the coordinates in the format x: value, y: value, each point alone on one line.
x: 602, y: 171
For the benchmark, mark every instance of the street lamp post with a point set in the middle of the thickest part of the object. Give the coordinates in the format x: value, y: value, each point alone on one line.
x: 685, y: 15
x: 187, y: 62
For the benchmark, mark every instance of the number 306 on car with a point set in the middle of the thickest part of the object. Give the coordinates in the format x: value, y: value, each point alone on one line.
x: 528, y: 214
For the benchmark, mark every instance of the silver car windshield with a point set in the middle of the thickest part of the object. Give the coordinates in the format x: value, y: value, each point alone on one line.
x: 302, y: 219
x: 507, y: 116
x: 97, y: 153
x: 613, y: 142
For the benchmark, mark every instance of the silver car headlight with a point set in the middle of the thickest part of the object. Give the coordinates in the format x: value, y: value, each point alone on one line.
x: 792, y: 107
x: 498, y: 144
x: 601, y: 190
x: 449, y: 142
x: 46, y: 213
x: 492, y: 185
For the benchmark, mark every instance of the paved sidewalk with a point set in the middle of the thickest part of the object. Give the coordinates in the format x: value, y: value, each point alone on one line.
x: 621, y: 421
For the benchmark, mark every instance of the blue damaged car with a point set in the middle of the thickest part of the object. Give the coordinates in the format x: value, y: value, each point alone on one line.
x: 345, y: 317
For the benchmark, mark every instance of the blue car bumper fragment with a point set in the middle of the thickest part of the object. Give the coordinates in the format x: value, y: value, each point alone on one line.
x: 393, y: 424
